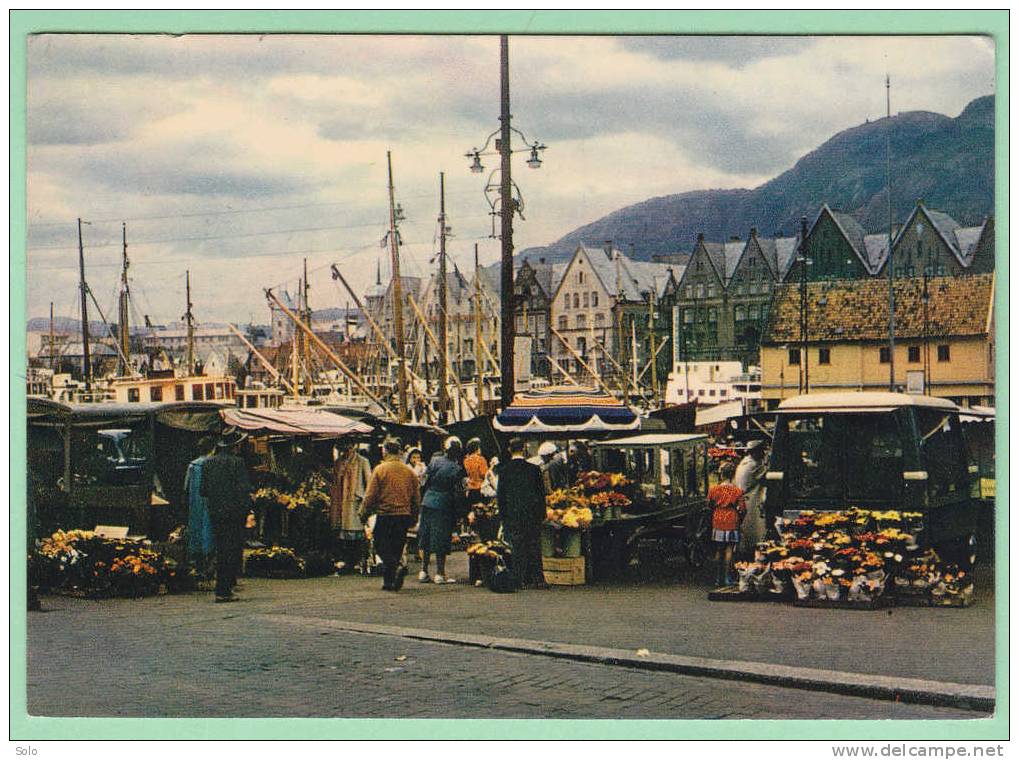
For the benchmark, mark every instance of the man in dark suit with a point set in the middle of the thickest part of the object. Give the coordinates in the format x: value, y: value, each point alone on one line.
x: 521, y: 499
x: 227, y: 489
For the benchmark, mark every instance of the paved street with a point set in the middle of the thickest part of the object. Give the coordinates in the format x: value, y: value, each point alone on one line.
x: 274, y: 654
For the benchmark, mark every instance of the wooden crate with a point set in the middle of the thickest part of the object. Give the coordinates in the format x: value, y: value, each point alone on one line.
x: 564, y: 571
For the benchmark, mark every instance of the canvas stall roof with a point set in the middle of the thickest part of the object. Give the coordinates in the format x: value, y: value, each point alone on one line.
x: 565, y: 410
x: 196, y: 415
x: 861, y: 401
x: 294, y: 422
x: 711, y: 415
x: 651, y: 440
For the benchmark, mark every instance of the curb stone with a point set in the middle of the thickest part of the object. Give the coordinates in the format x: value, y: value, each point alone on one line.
x: 976, y: 697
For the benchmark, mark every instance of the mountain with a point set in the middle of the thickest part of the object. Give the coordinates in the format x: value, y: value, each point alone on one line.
x: 948, y: 162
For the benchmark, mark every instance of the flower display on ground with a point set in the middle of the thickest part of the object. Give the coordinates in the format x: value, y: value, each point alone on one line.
x: 83, y: 562
x: 853, y: 555
x: 274, y: 562
x: 492, y: 550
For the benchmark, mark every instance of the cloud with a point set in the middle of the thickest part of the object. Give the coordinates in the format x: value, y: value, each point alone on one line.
x: 736, y: 52
x: 178, y: 134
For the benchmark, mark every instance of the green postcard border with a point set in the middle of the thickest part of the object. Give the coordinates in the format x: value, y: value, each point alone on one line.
x: 23, y: 23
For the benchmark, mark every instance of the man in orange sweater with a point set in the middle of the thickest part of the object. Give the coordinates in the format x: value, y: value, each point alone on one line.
x: 394, y: 495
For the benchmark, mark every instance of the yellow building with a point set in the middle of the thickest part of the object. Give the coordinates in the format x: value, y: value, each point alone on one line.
x: 944, y: 344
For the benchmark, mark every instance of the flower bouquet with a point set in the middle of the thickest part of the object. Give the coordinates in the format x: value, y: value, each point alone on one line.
x: 484, y: 520
x: 609, y: 504
x: 484, y: 557
x: 274, y: 562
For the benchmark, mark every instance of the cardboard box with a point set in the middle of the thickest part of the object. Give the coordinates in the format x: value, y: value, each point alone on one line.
x: 564, y: 571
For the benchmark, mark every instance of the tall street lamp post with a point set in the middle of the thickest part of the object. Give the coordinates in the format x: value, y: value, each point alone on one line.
x: 510, y: 201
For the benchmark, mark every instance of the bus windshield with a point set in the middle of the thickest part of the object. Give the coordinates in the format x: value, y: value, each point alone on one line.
x: 845, y: 458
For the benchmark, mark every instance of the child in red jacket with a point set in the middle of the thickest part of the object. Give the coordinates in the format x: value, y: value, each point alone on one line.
x: 729, y: 508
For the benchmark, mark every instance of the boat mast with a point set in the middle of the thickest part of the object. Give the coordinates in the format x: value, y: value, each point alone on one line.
x: 651, y: 334
x: 86, y: 358
x: 394, y: 249
x: 443, y: 320
x: 478, y: 337
x: 309, y: 383
x: 189, y: 318
x: 53, y: 352
x: 294, y: 374
x: 122, y: 319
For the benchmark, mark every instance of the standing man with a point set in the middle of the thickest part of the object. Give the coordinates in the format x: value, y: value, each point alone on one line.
x: 200, y: 538
x: 395, y: 496
x: 521, y: 498
x: 227, y: 489
x: 749, y: 474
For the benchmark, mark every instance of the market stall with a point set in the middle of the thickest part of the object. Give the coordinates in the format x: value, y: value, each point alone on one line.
x: 291, y: 455
x: 649, y: 498
x: 117, y: 464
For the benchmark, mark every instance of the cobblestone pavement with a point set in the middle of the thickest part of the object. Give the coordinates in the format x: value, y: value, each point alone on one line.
x: 669, y: 616
x: 185, y: 657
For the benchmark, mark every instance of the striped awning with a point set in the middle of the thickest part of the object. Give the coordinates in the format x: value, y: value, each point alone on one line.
x: 566, y: 410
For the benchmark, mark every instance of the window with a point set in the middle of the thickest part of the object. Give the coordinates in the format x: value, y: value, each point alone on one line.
x: 580, y: 278
x: 700, y: 391
x: 576, y: 300
x: 723, y: 392
x: 944, y: 353
x: 688, y: 316
x: 824, y: 356
x: 210, y: 392
x: 566, y: 301
x: 581, y: 321
x: 594, y: 298
x: 700, y: 290
x: 711, y: 392
x: 155, y: 393
x: 178, y: 392
x: 700, y: 266
x: 794, y: 356
x: 134, y: 395
x: 740, y: 314
x: 752, y: 312
x: 712, y: 314
x: 711, y: 291
x: 563, y: 322
x: 914, y: 354
x: 196, y: 392
x: 599, y: 319
x: 582, y: 345
x: 586, y: 301
x: 884, y: 355
x: 219, y: 391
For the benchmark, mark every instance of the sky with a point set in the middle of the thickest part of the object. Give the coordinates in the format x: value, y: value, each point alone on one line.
x: 237, y: 157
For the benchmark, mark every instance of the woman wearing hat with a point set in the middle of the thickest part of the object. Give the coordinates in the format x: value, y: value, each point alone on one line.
x: 444, y: 488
